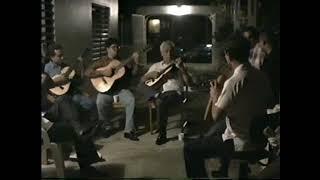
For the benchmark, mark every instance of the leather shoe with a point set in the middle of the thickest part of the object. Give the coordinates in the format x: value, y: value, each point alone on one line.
x: 131, y: 135
x: 161, y: 140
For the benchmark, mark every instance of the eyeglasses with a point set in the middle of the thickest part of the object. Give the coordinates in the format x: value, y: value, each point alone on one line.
x: 114, y: 47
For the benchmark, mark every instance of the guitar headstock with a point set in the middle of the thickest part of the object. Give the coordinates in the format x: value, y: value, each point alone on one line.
x: 84, y: 54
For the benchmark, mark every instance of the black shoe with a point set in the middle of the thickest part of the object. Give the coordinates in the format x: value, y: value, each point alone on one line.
x: 90, y: 172
x: 131, y: 135
x: 161, y: 140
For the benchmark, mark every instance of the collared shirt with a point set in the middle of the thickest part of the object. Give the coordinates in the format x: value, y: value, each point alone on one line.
x: 53, y: 69
x: 244, y: 96
x: 172, y: 84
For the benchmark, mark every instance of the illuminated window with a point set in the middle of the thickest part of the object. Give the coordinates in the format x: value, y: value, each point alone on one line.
x: 154, y: 26
x: 47, y: 26
x: 192, y: 35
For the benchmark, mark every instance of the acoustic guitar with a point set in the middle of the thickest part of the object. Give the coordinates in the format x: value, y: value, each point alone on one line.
x: 104, y: 83
x: 163, y: 75
x: 151, y: 87
x: 69, y: 70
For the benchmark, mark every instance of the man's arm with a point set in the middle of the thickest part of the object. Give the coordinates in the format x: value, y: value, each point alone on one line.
x: 58, y: 80
x: 218, y: 111
x: 151, y: 74
x: 91, y: 71
x: 134, y: 63
x: 46, y: 81
x: 185, y: 75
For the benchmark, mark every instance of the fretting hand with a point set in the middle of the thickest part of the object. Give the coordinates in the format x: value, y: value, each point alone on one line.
x: 215, y: 90
x: 179, y: 64
x: 135, y: 57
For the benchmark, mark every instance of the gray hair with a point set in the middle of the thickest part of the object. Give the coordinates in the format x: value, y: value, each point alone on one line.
x: 166, y: 44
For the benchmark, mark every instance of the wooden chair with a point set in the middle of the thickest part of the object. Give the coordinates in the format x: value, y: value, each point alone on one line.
x: 177, y: 110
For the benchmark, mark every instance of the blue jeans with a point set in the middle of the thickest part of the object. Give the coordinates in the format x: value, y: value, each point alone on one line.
x: 86, y: 106
x: 104, y: 105
x: 84, y: 101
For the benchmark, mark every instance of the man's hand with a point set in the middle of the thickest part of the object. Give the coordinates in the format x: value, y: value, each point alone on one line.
x: 65, y: 76
x: 106, y: 72
x: 215, y: 90
x: 179, y: 63
x: 152, y: 75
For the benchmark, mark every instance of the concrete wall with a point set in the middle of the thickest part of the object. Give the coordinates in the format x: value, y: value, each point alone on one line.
x: 73, y: 23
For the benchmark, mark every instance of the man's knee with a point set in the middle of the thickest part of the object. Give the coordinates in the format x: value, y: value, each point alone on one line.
x: 128, y: 96
x: 131, y: 99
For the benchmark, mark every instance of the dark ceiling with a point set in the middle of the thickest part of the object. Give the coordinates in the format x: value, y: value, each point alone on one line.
x: 129, y: 6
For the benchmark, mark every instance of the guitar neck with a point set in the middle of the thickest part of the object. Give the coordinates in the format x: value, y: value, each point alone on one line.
x: 78, y: 60
x: 125, y: 62
x: 128, y: 60
x: 169, y: 66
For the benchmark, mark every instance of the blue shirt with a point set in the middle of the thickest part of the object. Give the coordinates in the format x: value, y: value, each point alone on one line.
x: 53, y: 69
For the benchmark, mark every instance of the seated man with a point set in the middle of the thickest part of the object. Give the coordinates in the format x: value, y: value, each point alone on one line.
x: 271, y: 64
x: 252, y: 35
x: 243, y: 97
x: 54, y: 67
x: 62, y: 126
x: 120, y: 87
x: 170, y: 94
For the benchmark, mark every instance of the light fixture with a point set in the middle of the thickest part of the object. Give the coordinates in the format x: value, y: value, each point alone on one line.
x: 179, y: 10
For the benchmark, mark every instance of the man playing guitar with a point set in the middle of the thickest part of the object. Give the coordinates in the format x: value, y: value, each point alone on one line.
x: 62, y: 74
x: 120, y: 87
x: 170, y: 94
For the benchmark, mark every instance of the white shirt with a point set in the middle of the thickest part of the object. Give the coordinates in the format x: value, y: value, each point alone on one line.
x: 244, y: 96
x: 171, y: 84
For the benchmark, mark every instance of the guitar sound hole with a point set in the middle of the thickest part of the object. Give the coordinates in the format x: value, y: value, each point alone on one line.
x: 61, y: 87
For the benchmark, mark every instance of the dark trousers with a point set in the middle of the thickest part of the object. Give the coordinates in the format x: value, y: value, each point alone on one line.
x: 66, y: 128
x: 218, y: 128
x: 195, y: 153
x: 164, y: 102
x: 85, y: 148
x: 272, y: 171
x: 64, y: 110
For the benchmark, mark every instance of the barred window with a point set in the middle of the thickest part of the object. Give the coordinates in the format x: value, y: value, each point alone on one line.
x: 47, y: 24
x: 100, y: 30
